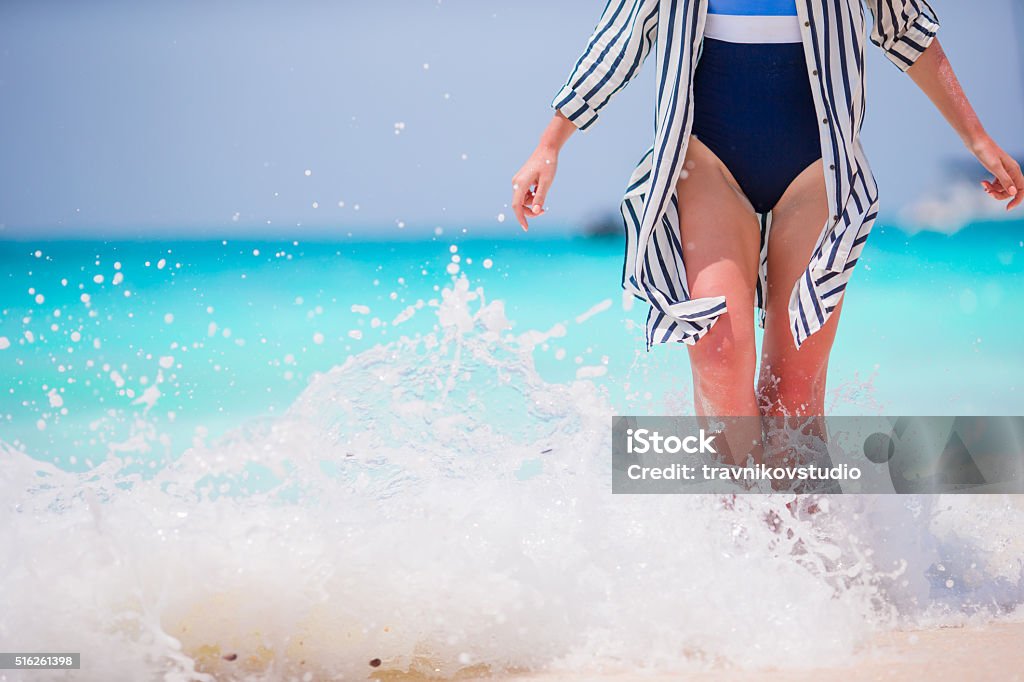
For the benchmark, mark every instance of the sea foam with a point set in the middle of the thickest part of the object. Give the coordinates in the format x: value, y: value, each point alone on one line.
x: 434, y: 506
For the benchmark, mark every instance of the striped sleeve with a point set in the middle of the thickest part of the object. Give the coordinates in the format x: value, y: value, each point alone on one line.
x: 903, y: 29
x: 617, y: 48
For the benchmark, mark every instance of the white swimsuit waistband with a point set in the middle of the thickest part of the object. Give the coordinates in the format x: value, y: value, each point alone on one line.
x: 753, y: 29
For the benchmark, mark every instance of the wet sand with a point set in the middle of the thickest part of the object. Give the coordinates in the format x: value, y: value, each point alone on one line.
x: 991, y: 652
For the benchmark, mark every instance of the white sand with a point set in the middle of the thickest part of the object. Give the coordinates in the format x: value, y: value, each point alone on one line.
x: 992, y: 652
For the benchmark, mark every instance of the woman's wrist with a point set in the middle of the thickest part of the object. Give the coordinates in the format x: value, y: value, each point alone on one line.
x: 548, y: 148
x: 975, y: 137
x: 552, y: 139
x: 559, y: 130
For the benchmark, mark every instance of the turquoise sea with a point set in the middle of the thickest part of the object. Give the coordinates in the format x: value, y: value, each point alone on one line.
x: 200, y: 336
x: 232, y: 460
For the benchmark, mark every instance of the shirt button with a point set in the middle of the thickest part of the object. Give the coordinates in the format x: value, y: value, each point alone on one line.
x: 835, y: 217
x: 806, y: 23
x: 824, y: 120
x: 831, y: 166
x: 814, y: 73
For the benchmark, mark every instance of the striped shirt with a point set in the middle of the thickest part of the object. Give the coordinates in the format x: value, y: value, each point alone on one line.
x: 834, y: 35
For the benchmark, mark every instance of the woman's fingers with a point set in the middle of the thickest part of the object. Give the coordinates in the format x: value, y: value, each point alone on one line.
x: 529, y: 205
x: 541, y: 196
x: 995, y: 190
x: 535, y: 202
x: 1017, y: 180
x: 520, y: 188
x: 1008, y: 182
x: 530, y: 188
x: 1003, y: 176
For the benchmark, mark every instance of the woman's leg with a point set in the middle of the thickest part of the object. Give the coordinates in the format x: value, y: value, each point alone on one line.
x: 791, y: 382
x: 721, y: 245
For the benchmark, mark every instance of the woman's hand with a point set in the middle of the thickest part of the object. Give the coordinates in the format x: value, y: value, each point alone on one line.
x: 1007, y: 181
x: 531, y: 184
x: 934, y: 75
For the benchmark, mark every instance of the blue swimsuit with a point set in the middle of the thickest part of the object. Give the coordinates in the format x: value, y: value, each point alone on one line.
x: 752, y: 96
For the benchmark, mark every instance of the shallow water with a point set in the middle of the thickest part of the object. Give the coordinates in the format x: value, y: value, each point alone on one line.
x: 203, y: 335
x: 434, y: 491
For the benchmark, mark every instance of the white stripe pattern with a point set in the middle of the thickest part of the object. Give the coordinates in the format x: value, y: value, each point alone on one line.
x: 833, y: 35
x: 753, y: 29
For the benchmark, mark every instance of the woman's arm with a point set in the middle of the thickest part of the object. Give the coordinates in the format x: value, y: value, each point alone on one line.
x: 934, y: 75
x: 530, y: 185
x: 618, y: 46
x: 906, y: 32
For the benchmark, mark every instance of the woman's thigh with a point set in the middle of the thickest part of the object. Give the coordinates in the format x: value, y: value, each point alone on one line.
x: 797, y: 221
x: 720, y: 236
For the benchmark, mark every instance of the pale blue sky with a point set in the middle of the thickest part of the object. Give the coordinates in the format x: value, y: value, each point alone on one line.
x: 201, y: 116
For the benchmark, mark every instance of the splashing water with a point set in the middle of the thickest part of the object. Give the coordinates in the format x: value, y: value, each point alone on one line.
x: 434, y: 506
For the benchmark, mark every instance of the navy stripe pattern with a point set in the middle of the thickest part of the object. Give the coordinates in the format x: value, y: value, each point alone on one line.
x: 834, y: 36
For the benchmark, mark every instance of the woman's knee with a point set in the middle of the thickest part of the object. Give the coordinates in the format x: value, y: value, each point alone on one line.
x: 724, y: 355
